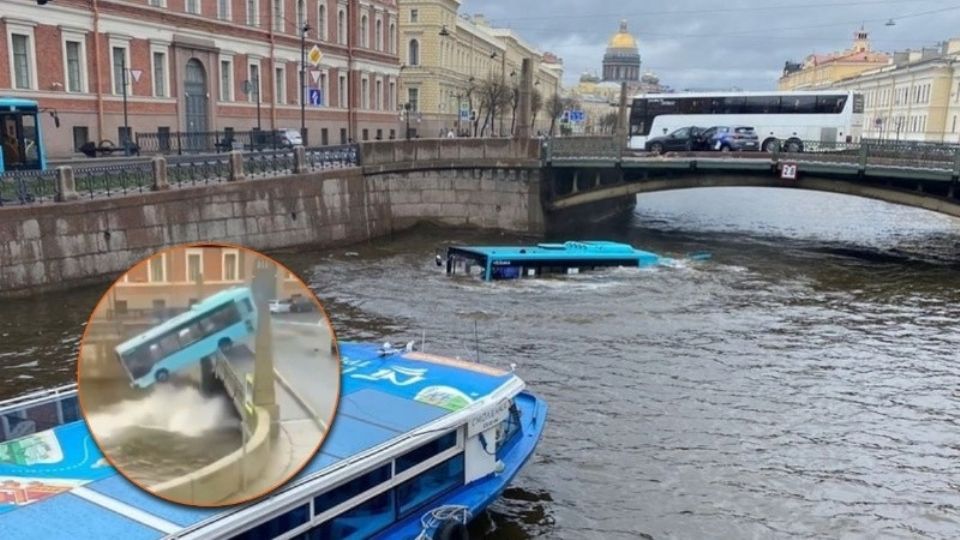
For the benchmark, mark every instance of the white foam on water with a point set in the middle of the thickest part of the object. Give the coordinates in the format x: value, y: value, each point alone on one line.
x: 181, y: 410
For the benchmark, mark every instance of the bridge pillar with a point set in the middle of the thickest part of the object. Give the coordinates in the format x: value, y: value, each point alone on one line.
x: 264, y: 383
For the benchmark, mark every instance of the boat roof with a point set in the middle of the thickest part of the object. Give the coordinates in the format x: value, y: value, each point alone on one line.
x: 209, y: 302
x: 60, y: 476
x: 590, y: 250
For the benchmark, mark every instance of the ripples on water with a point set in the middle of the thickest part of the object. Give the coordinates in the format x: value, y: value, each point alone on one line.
x: 804, y: 382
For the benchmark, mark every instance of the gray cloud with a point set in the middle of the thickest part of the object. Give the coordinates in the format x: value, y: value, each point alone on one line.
x: 699, y: 43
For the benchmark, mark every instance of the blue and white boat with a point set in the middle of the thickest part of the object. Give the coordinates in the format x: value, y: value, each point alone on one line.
x: 421, y: 445
x: 514, y: 262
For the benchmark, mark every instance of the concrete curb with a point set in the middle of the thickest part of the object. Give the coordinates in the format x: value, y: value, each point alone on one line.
x: 303, y: 402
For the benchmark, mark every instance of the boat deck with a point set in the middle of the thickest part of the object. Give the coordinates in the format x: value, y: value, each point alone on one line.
x: 53, y: 481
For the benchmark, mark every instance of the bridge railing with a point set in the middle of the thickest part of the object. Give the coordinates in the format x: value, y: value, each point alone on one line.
x: 380, y: 153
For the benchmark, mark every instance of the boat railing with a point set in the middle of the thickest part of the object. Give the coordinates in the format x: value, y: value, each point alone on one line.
x: 432, y: 520
x: 38, y: 397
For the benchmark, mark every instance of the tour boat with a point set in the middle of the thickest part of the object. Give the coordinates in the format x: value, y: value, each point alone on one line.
x: 514, y: 262
x: 421, y: 444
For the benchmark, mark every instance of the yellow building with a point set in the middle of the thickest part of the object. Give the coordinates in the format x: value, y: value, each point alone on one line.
x: 445, y: 57
x: 914, y: 98
x: 823, y: 70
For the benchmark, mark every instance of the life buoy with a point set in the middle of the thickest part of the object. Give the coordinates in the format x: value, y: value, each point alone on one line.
x: 451, y: 530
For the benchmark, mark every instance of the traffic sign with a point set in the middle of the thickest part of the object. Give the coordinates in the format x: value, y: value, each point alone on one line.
x: 788, y: 171
x: 577, y: 116
x: 136, y: 73
x: 315, y: 75
x: 464, y: 111
x: 315, y: 56
x: 316, y: 97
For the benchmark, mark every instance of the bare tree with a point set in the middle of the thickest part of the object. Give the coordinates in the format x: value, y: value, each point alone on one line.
x: 608, y: 122
x: 554, y: 109
x: 536, y: 103
x: 494, y: 97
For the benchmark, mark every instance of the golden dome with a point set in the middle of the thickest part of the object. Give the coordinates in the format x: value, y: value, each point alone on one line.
x: 622, y: 39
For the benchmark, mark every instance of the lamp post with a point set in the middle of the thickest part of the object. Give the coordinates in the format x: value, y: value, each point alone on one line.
x: 126, y: 125
x: 304, y: 28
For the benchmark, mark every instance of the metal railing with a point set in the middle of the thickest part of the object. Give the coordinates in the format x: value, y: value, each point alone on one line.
x: 268, y: 164
x: 28, y: 187
x: 332, y: 157
x: 185, y: 171
x: 110, y: 180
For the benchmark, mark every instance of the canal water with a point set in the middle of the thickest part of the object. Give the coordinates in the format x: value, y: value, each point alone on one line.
x: 804, y: 382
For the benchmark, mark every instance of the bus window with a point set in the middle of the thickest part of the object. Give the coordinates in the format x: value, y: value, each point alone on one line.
x: 831, y: 104
x: 248, y: 304
x: 761, y: 105
x: 12, y: 155
x: 169, y: 344
x: 31, y: 150
x: 187, y: 336
x: 798, y: 105
x: 155, y: 353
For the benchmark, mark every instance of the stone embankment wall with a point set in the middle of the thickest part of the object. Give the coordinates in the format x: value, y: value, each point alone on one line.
x: 473, y: 182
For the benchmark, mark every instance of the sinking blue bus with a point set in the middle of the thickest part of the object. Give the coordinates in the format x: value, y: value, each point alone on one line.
x: 21, y: 138
x: 217, y: 322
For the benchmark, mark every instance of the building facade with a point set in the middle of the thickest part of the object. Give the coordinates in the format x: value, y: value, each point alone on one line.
x: 823, y: 70
x: 201, y: 65
x: 914, y: 98
x: 447, y: 56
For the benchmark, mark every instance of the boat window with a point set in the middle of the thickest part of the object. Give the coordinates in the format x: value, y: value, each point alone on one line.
x: 279, y: 525
x: 508, y: 431
x: 71, y: 409
x: 425, y: 452
x: 429, y: 485
x: 359, y: 523
x: 351, y: 489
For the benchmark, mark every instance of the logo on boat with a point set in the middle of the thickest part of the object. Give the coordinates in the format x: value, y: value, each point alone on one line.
x: 39, y: 449
x: 444, y: 396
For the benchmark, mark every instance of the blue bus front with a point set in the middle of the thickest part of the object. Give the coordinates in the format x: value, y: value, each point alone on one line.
x: 21, y: 147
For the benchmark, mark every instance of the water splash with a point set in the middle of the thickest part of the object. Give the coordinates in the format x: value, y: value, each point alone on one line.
x: 179, y: 410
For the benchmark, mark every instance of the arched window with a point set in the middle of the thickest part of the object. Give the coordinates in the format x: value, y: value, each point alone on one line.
x: 322, y: 22
x: 301, y: 16
x: 413, y: 55
x: 393, y: 38
x: 378, y: 37
x: 364, y: 32
x: 341, y: 27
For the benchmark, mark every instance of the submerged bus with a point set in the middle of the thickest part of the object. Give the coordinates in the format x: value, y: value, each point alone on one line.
x: 216, y: 322
x: 21, y: 147
x: 779, y: 118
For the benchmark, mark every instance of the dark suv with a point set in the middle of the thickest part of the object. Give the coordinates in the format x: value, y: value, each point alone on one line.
x: 682, y: 140
x: 726, y: 139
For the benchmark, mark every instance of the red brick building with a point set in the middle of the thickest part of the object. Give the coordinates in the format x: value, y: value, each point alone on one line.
x: 187, y: 61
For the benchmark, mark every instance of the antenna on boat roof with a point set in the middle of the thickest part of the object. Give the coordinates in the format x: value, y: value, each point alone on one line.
x: 476, y: 337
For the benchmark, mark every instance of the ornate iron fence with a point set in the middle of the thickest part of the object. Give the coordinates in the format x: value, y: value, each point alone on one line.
x: 110, y: 180
x: 28, y: 187
x: 267, y: 164
x: 332, y: 157
x: 193, y: 170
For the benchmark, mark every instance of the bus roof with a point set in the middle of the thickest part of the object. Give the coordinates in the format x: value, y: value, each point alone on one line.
x: 216, y: 299
x: 744, y: 94
x: 6, y: 102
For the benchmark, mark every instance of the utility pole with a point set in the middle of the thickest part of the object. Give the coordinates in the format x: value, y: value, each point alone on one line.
x: 126, y: 125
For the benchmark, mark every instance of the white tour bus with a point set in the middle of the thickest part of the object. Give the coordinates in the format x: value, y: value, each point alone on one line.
x: 785, y: 117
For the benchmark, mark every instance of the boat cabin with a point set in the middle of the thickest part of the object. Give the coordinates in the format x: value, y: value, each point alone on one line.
x: 515, y: 262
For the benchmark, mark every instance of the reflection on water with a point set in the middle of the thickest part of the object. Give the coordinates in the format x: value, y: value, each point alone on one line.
x: 802, y: 382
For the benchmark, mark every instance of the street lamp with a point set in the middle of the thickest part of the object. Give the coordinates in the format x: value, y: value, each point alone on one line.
x: 303, y: 82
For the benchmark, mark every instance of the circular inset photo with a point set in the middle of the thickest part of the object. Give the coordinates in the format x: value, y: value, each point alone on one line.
x: 209, y: 374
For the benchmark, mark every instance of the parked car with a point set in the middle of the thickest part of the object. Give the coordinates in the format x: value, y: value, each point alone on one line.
x: 683, y: 139
x: 290, y: 138
x: 735, y: 138
x: 300, y: 304
x: 280, y: 306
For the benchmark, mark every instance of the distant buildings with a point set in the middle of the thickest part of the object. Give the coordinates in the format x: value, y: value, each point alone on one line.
x: 445, y: 59
x: 599, y: 96
x: 822, y: 70
x: 911, y: 95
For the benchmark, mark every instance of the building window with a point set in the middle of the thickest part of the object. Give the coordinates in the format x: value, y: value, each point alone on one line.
x: 378, y: 35
x: 392, y: 98
x: 378, y: 97
x: 954, y: 128
x: 253, y: 12
x: 75, y: 65
x: 231, y: 259
x: 414, y: 15
x: 364, y: 93
x: 364, y: 32
x: 81, y: 135
x: 120, y: 66
x: 23, y: 61
x: 194, y: 266
x: 280, y: 85
x: 223, y: 9
x: 278, y: 16
x: 301, y: 16
x: 157, y: 269
x: 413, y: 98
x: 193, y: 6
x: 323, y: 88
x: 342, y: 92
x: 157, y: 3
x: 159, y: 74
x: 341, y: 27
x: 254, y: 96
x: 413, y: 54
x: 393, y: 38
x: 226, y: 80
x: 322, y: 22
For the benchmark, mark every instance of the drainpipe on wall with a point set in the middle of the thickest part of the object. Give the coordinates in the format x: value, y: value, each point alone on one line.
x: 96, y: 62
x: 352, y: 82
x: 273, y: 71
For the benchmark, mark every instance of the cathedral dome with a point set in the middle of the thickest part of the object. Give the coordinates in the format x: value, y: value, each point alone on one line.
x: 622, y: 39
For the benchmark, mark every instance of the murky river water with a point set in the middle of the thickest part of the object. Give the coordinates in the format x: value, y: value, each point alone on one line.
x: 805, y: 382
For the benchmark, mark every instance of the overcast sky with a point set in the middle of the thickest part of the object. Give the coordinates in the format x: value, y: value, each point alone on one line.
x: 711, y: 44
